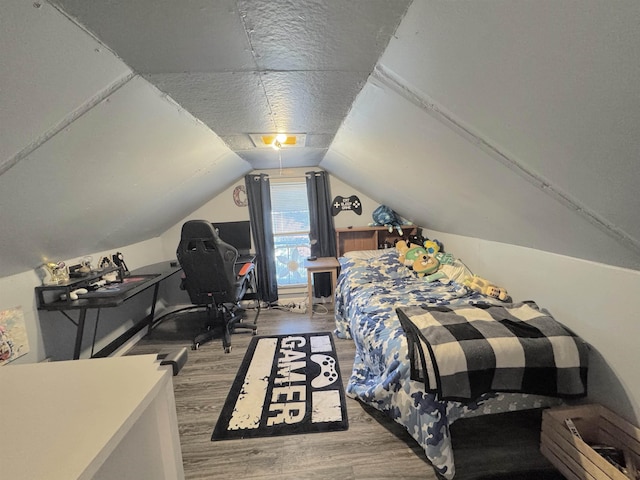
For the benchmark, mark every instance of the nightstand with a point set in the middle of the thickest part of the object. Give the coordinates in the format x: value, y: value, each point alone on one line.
x: 321, y: 265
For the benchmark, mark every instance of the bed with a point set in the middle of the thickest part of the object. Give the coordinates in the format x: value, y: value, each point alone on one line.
x: 374, y: 292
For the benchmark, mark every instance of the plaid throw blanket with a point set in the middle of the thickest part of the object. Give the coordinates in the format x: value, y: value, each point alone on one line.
x: 465, y: 351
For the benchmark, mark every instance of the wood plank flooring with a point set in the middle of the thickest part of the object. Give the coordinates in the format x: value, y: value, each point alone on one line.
x: 374, y: 447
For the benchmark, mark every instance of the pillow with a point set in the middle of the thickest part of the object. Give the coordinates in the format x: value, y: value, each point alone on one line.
x: 365, y: 254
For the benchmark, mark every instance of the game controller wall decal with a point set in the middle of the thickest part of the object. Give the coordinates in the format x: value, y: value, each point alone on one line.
x: 341, y: 204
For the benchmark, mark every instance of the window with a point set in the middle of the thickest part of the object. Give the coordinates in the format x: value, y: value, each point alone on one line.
x: 290, y: 218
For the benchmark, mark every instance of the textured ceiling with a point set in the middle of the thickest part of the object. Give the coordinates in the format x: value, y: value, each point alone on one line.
x: 251, y: 66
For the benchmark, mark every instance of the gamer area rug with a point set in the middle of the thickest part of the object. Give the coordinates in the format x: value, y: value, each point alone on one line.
x: 286, y: 385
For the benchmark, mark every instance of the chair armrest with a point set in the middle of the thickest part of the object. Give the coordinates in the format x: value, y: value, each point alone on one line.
x: 246, y: 268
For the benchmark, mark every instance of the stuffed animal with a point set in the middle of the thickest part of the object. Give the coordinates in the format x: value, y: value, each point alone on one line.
x: 445, y: 258
x: 425, y: 261
x: 432, y: 247
x: 408, y: 254
x: 486, y: 288
x: 402, y: 248
x: 422, y: 261
x: 384, y: 216
x: 426, y: 265
x: 418, y: 239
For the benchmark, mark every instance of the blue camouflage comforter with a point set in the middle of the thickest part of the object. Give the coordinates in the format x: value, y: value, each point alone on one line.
x: 367, y: 295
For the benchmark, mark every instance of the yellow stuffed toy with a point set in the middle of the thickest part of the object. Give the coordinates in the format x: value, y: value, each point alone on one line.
x: 408, y: 254
x: 426, y: 265
x: 402, y: 249
x: 486, y: 288
x: 431, y: 247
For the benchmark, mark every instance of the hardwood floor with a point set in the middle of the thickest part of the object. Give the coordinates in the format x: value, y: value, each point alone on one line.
x: 374, y: 447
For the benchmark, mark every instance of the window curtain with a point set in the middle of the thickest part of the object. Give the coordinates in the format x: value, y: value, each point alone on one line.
x: 259, y: 200
x: 322, y: 234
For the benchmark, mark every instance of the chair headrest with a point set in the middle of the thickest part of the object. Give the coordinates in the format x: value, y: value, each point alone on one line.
x: 198, y: 229
x: 203, y: 231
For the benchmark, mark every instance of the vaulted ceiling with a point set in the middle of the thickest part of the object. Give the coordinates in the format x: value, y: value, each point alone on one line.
x: 247, y: 67
x: 517, y: 122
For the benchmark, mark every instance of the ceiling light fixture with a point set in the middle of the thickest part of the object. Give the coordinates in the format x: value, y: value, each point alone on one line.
x: 278, y: 141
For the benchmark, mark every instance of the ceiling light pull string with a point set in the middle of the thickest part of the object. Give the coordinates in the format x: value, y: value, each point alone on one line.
x: 280, y: 160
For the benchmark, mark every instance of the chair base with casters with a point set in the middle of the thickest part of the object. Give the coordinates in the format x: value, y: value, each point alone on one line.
x: 227, y: 318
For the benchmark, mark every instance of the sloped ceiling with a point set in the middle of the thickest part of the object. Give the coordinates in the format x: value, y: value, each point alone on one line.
x: 251, y: 66
x: 510, y: 121
x: 93, y: 156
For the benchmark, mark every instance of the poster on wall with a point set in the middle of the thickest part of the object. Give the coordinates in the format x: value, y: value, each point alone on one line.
x: 13, y: 335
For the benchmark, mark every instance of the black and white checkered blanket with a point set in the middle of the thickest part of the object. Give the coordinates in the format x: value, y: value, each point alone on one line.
x: 462, y: 352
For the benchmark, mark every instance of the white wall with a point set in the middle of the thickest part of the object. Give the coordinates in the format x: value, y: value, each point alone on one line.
x: 222, y: 208
x: 50, y: 334
x: 599, y: 302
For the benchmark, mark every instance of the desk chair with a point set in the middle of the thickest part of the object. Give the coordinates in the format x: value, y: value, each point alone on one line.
x: 213, y: 279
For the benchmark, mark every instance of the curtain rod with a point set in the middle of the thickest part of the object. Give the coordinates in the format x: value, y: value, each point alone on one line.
x: 275, y: 177
x: 286, y: 177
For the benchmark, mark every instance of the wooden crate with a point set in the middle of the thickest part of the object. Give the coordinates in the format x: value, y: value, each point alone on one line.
x: 574, y: 457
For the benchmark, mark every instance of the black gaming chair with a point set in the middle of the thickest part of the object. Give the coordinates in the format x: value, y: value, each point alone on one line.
x: 213, y: 279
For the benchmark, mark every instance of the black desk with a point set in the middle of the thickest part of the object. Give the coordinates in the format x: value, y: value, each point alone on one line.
x: 150, y: 276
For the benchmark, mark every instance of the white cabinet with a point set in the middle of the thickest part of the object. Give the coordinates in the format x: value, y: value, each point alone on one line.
x: 104, y: 418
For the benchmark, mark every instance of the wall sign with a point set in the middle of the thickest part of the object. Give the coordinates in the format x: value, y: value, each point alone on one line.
x: 340, y: 204
x: 240, y: 196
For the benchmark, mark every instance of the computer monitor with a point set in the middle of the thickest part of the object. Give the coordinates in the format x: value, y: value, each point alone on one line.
x: 237, y: 234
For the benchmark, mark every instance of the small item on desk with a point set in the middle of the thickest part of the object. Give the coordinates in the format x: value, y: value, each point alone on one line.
x: 54, y: 273
x: 110, y: 277
x: 77, y: 271
x: 312, y: 258
x: 85, y: 264
x: 118, y: 260
x: 97, y: 284
x: 105, y: 262
x: 74, y: 294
